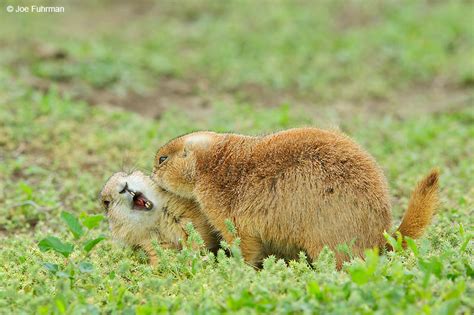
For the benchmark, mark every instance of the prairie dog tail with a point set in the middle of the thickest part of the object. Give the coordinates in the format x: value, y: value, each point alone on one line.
x: 423, y: 203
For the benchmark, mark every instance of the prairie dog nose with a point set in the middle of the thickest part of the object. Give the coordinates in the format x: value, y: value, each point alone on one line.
x: 126, y: 189
x: 122, y: 187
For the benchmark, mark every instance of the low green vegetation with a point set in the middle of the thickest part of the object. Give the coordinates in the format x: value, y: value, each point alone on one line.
x: 57, y: 148
x: 46, y: 171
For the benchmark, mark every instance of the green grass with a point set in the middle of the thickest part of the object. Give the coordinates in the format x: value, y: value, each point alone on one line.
x: 57, y: 151
x: 323, y: 49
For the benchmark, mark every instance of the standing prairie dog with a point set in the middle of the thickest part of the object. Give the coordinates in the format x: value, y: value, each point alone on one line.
x: 291, y: 191
x: 139, y: 211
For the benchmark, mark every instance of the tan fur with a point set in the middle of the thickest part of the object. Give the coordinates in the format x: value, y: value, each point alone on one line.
x: 165, y: 223
x: 422, y: 205
x: 300, y: 189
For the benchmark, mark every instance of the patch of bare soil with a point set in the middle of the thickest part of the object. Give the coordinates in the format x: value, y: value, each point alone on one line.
x: 352, y: 15
x: 410, y: 102
x: 169, y: 93
x: 195, y: 96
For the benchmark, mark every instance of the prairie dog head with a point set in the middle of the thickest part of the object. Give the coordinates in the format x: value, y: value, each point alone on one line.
x: 175, y: 162
x: 133, y: 204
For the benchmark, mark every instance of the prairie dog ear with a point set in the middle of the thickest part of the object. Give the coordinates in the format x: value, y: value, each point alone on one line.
x: 197, y: 141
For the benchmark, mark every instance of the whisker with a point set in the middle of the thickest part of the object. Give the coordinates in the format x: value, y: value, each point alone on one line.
x: 122, y: 165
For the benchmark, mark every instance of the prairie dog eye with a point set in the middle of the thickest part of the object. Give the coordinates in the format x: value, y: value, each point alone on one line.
x: 106, y: 204
x: 162, y: 159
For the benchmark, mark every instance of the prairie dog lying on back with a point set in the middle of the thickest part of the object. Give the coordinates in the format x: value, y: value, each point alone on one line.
x: 299, y: 189
x: 139, y: 212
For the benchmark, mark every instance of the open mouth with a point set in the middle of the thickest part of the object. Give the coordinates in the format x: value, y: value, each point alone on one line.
x: 139, y: 201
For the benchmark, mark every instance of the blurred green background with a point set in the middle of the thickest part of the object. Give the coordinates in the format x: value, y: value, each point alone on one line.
x: 376, y: 56
x: 100, y: 87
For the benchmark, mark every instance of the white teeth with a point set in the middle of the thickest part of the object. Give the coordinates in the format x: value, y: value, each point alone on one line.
x: 147, y: 205
x: 132, y: 193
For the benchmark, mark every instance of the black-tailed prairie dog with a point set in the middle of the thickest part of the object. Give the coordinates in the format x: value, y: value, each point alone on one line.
x: 295, y: 190
x: 139, y: 212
